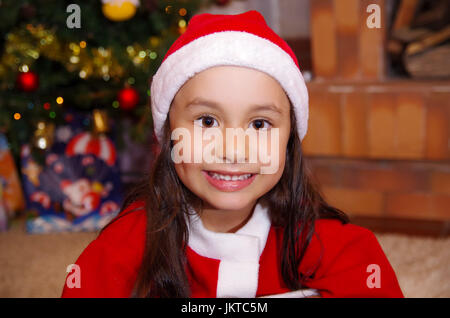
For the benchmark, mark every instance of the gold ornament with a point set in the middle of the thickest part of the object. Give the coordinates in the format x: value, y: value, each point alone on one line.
x: 100, y: 121
x: 119, y: 10
x: 24, y: 46
x: 43, y: 135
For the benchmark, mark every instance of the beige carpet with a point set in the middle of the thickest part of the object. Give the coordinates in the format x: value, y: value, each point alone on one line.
x: 35, y: 265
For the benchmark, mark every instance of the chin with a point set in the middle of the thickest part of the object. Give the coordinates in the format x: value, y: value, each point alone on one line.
x: 229, y: 200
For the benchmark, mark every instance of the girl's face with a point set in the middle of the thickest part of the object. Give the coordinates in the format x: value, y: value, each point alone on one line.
x: 229, y: 98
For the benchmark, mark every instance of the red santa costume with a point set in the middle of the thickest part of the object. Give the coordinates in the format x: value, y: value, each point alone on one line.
x: 244, y: 263
x: 241, y: 264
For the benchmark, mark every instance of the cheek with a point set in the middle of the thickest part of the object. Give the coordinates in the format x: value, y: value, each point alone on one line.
x: 275, y: 168
x: 188, y: 174
x: 272, y: 152
x: 187, y: 145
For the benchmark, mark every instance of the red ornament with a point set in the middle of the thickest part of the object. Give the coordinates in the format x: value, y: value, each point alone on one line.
x: 128, y: 98
x: 68, y: 118
x: 27, y: 82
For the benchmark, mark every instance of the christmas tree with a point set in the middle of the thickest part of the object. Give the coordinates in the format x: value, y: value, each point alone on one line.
x: 82, y: 55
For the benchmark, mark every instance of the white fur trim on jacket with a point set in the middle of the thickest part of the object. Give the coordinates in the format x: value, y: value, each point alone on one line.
x: 238, y: 252
x: 234, y: 48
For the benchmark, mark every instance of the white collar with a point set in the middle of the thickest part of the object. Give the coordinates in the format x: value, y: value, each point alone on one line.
x: 238, y: 253
x: 245, y: 245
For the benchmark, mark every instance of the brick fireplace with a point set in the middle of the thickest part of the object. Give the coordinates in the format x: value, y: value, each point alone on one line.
x: 378, y: 145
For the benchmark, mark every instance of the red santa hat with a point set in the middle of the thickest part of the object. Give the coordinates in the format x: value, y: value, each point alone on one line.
x: 237, y: 40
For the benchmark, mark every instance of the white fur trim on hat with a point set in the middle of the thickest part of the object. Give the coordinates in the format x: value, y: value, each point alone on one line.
x: 234, y: 48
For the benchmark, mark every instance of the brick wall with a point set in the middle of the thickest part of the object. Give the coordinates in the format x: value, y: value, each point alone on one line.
x: 378, y: 147
x: 382, y: 149
x: 342, y: 44
x: 390, y: 189
x: 385, y: 120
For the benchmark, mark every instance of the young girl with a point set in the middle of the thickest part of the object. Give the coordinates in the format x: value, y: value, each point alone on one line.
x: 223, y: 227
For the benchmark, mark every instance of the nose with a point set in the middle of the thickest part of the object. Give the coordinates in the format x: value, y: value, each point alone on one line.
x: 235, y: 146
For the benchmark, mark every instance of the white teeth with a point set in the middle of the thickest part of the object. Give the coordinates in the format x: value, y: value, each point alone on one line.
x: 232, y: 178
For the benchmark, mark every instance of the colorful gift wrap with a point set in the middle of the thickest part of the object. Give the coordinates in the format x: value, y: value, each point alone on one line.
x: 77, y: 188
x: 13, y: 198
x: 3, y: 211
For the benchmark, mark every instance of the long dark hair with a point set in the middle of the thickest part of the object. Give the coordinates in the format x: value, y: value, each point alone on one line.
x: 295, y: 203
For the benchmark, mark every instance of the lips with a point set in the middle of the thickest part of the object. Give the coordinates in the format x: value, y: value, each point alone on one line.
x: 229, y: 181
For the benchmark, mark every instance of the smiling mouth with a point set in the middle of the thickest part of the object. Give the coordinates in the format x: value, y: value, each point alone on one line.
x: 229, y: 177
x: 229, y: 181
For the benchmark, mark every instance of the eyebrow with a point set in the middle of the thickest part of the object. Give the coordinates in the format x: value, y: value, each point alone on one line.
x: 255, y: 107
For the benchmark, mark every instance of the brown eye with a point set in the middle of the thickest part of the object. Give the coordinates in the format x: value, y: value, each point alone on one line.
x: 206, y: 122
x: 260, y: 124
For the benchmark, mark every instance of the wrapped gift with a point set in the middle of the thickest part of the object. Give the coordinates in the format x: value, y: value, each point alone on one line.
x: 77, y: 188
x: 3, y: 211
x: 13, y: 198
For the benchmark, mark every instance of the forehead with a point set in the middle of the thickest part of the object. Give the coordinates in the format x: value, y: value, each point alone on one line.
x: 233, y: 84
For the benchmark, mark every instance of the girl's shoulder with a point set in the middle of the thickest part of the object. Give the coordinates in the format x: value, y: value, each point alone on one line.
x: 332, y: 228
x: 108, y: 265
x: 335, y: 239
x: 127, y: 227
x: 348, y: 255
